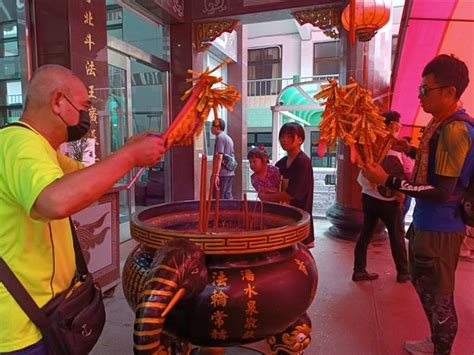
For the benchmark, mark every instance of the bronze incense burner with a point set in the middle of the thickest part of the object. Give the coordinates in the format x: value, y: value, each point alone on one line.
x: 248, y: 278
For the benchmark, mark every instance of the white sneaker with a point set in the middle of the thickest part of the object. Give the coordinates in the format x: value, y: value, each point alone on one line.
x: 416, y: 347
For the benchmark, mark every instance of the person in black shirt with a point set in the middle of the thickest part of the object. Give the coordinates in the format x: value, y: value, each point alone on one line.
x: 295, y: 168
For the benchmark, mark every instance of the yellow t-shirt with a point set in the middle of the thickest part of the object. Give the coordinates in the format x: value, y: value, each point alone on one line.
x: 40, y: 253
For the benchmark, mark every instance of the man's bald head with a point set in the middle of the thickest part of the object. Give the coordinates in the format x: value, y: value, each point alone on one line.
x: 47, y: 80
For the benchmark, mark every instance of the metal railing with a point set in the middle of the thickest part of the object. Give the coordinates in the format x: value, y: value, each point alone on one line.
x: 263, y: 92
x: 14, y: 99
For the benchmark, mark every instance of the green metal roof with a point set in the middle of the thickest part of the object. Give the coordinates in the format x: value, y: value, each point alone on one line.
x: 297, y: 102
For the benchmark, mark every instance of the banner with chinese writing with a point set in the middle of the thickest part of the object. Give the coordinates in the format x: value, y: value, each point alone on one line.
x: 88, y: 49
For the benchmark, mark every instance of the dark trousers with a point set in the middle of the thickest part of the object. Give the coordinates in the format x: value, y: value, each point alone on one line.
x: 433, y: 261
x: 440, y: 311
x: 390, y: 214
x: 38, y: 348
x: 225, y: 185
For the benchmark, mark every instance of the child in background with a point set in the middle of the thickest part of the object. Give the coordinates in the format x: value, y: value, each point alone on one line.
x: 265, y: 177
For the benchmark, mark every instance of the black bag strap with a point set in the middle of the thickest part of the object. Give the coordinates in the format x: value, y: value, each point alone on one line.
x: 22, y: 297
x: 81, y: 265
x: 18, y: 291
x: 28, y: 305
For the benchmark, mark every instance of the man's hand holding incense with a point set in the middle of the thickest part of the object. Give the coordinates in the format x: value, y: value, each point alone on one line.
x: 375, y: 173
x: 145, y: 149
x: 401, y: 145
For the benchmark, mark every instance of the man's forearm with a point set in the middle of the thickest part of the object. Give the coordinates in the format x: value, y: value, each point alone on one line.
x: 438, y: 192
x: 77, y: 190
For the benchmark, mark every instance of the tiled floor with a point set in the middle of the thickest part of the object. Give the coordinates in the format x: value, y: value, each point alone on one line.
x: 348, y: 318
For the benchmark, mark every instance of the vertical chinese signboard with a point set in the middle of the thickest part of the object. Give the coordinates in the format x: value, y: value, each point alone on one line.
x: 88, y: 60
x: 73, y: 33
x: 88, y: 49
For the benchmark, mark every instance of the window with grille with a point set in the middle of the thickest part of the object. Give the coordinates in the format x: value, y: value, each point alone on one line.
x: 260, y: 139
x: 327, y: 58
x: 8, y: 39
x: 328, y: 161
x: 115, y: 21
x: 264, y: 71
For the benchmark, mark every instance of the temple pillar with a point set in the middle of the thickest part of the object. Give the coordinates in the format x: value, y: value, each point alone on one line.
x: 346, y: 214
x: 237, y: 120
x: 184, y: 161
x: 73, y: 33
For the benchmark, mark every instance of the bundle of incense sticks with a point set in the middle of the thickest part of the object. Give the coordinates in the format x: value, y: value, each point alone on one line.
x: 253, y: 216
x: 216, y: 166
x: 201, y: 98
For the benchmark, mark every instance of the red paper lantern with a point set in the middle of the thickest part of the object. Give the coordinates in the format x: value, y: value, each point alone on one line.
x: 369, y: 17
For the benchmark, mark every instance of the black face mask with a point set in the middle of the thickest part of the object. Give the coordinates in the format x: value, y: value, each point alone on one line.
x: 78, y: 131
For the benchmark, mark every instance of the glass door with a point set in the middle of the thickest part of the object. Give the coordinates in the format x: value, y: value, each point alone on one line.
x: 137, y: 103
x: 118, y: 127
x: 117, y: 130
x: 149, y: 112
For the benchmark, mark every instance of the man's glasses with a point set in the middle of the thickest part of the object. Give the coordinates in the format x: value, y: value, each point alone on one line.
x: 423, y: 90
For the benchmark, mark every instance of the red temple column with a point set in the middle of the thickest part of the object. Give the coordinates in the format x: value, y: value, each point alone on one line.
x: 184, y: 162
x: 237, y: 122
x: 73, y: 33
x: 346, y: 213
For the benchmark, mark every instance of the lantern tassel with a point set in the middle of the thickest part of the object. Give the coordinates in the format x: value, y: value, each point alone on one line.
x: 364, y: 69
x: 352, y: 13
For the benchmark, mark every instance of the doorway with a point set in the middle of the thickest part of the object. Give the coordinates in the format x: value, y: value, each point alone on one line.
x: 137, y: 102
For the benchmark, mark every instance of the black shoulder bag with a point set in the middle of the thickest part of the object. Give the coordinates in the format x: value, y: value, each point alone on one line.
x: 71, y: 322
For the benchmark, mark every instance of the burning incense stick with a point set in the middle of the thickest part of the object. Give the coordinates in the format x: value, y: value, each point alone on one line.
x: 246, y: 212
x: 216, y: 166
x: 202, y: 192
x: 253, y: 215
x: 216, y: 208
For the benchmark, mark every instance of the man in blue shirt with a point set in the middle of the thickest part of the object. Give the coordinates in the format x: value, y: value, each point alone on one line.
x: 224, y: 145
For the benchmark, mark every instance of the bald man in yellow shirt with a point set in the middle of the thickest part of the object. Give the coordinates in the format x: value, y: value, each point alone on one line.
x: 40, y: 188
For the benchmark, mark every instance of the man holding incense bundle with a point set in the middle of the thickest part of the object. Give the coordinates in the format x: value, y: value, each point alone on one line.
x: 41, y: 188
x: 443, y: 170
